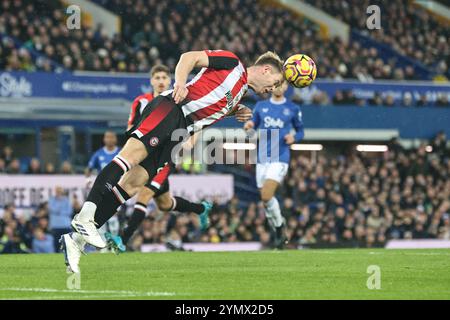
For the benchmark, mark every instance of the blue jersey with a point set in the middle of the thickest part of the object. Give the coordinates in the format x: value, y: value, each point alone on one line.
x: 278, y: 119
x: 101, y: 158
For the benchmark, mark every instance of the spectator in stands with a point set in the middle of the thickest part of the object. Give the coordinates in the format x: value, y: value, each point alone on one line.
x: 2, y: 166
x: 407, y: 100
x: 66, y: 168
x: 7, y: 155
x: 442, y: 100
x: 34, y: 167
x: 14, y: 167
x: 43, y: 242
x: 423, y: 101
x: 376, y: 100
x: 12, y: 242
x: 389, y: 101
x: 12, y: 232
x: 320, y: 99
x: 439, y: 145
x: 60, y: 214
x: 338, y: 98
x: 49, y: 168
x: 395, y: 146
x: 349, y: 98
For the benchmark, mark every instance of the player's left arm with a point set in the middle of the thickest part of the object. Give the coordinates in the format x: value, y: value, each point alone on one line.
x: 297, y: 123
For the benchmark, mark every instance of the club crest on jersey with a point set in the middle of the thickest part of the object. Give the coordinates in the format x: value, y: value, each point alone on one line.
x: 154, y: 141
x: 286, y: 112
x: 265, y: 110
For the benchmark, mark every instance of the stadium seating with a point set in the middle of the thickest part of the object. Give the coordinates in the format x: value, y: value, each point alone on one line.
x: 406, y: 28
x: 147, y: 39
x: 363, y: 202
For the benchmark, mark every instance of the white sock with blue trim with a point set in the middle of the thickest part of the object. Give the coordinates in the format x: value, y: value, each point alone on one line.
x: 273, y: 212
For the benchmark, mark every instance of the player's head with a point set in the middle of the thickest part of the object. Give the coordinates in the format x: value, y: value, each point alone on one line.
x: 160, y: 78
x: 266, y: 74
x: 110, y: 139
x: 279, y: 91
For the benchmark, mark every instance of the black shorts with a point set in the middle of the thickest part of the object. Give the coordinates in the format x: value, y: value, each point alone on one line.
x: 159, y: 176
x: 160, y: 119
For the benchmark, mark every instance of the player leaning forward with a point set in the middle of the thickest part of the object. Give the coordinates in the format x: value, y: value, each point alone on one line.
x: 277, y: 117
x: 214, y: 93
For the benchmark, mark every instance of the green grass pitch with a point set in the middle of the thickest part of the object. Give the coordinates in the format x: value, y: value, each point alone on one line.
x: 300, y: 274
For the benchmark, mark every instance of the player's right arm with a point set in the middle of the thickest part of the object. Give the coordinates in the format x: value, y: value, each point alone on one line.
x: 215, y: 59
x: 188, y: 61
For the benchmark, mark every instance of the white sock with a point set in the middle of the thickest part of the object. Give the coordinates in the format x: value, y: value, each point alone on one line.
x: 273, y: 212
x: 78, y: 238
x: 87, y: 213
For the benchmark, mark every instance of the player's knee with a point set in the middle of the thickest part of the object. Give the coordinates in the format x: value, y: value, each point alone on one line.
x: 266, y: 195
x: 134, y: 152
x: 130, y: 189
x: 164, y: 204
x: 145, y: 195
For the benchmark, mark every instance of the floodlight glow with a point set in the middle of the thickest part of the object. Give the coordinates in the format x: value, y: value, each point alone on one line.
x: 306, y: 147
x: 371, y: 148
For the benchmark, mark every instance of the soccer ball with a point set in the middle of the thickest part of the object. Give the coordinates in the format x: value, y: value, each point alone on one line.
x: 300, y: 70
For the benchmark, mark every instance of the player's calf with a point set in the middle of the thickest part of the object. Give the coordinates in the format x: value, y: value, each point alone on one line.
x: 133, y: 153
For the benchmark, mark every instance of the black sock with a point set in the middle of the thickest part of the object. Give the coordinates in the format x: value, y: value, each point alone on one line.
x: 183, y: 205
x: 140, y: 210
x: 108, y: 177
x: 108, y: 207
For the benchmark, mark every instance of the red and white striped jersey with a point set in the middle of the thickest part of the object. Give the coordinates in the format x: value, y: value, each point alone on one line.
x: 138, y: 107
x: 213, y: 93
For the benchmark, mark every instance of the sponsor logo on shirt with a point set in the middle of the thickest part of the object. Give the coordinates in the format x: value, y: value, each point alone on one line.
x: 270, y: 122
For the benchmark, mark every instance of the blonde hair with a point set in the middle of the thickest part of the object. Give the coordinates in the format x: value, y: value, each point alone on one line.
x: 270, y: 58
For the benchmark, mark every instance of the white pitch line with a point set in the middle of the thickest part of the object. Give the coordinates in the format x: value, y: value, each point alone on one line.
x: 107, y: 292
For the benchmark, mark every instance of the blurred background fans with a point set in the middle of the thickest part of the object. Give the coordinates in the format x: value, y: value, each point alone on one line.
x: 374, y: 165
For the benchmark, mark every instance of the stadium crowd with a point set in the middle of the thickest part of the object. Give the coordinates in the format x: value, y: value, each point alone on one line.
x: 155, y: 32
x: 11, y: 164
x: 406, y: 27
x: 379, y: 99
x: 356, y: 200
